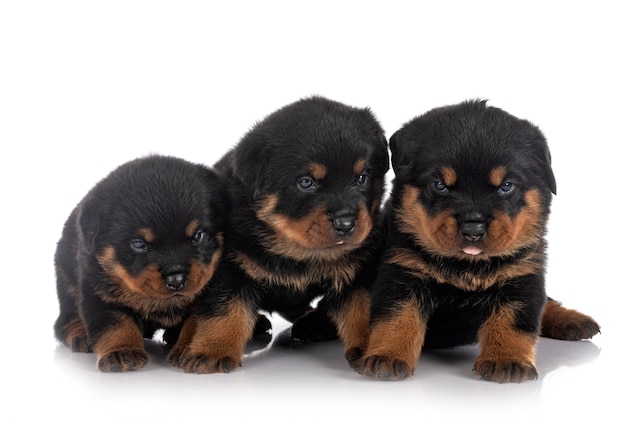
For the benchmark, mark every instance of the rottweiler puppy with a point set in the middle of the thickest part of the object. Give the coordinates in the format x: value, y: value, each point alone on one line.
x: 306, y: 185
x: 465, y: 251
x: 134, y: 254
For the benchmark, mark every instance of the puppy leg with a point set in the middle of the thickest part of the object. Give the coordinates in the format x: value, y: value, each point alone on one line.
x: 352, y: 321
x: 559, y: 322
x: 183, y: 339
x: 120, y: 346
x: 507, y: 354
x: 215, y: 343
x: 71, y: 330
x: 395, y: 344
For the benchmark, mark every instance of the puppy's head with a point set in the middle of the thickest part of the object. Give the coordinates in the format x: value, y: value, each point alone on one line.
x: 155, y: 227
x: 315, y: 173
x: 472, y: 181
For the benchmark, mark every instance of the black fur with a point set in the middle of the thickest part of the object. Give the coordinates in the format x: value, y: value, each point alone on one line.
x: 464, y: 257
x: 134, y: 254
x: 297, y: 181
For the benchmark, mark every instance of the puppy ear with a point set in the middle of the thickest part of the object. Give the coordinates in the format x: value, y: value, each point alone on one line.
x: 88, y: 225
x: 249, y: 164
x: 546, y: 167
x: 397, y: 145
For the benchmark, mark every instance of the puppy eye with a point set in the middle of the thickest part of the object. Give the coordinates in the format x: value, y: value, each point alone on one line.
x: 440, y: 186
x: 362, y: 179
x: 506, y: 188
x: 198, y: 237
x: 138, y: 246
x: 306, y: 183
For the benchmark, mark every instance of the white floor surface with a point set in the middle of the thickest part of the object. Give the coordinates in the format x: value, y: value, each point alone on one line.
x: 85, y: 86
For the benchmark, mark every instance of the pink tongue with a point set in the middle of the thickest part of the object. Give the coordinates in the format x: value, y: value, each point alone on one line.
x: 472, y: 250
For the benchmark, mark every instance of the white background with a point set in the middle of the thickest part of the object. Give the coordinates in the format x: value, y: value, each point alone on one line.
x: 85, y: 86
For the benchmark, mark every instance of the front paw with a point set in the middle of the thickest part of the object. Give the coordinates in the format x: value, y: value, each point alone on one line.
x: 79, y: 344
x: 382, y: 368
x: 123, y: 360
x: 504, y: 371
x: 203, y: 363
x: 353, y: 356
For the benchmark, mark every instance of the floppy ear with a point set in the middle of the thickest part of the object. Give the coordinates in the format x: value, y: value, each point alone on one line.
x: 88, y: 225
x: 399, y: 156
x: 383, y: 158
x: 546, y: 168
x: 249, y: 163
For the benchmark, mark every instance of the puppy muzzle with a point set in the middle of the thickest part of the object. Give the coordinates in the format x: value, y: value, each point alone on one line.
x: 343, y: 221
x: 175, y: 278
x: 473, y: 226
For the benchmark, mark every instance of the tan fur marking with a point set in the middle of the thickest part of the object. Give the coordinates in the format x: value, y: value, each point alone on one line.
x: 318, y: 171
x: 76, y: 334
x: 439, y: 235
x: 147, y: 234
x: 192, y: 228
x: 352, y: 321
x: 508, y: 234
x: 467, y: 281
x: 496, y: 176
x: 449, y: 176
x: 500, y: 342
x: 559, y: 322
x: 226, y: 335
x: 123, y: 335
x: 359, y: 166
x: 199, y: 273
x: 340, y: 272
x: 149, y: 282
x: 400, y: 336
x: 311, y: 237
x: 187, y: 333
x: 146, y: 293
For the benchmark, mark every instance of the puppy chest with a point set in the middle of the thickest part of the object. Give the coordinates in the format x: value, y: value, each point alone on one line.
x: 299, y: 276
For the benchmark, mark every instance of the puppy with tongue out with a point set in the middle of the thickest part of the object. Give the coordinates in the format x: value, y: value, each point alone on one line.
x: 465, y: 249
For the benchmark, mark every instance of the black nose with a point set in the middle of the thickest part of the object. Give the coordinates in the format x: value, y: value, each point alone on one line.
x: 343, y: 222
x: 474, y: 227
x: 175, y: 278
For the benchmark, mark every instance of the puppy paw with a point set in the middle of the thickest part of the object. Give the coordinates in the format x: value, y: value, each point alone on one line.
x: 123, y: 360
x: 353, y: 355
x: 567, y: 324
x: 383, y: 368
x: 175, y: 355
x: 79, y: 344
x: 205, y: 364
x: 505, y: 371
x: 582, y: 327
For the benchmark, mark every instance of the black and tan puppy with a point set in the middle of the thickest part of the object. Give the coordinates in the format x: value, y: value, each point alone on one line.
x: 465, y: 251
x: 134, y: 254
x: 306, y: 185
